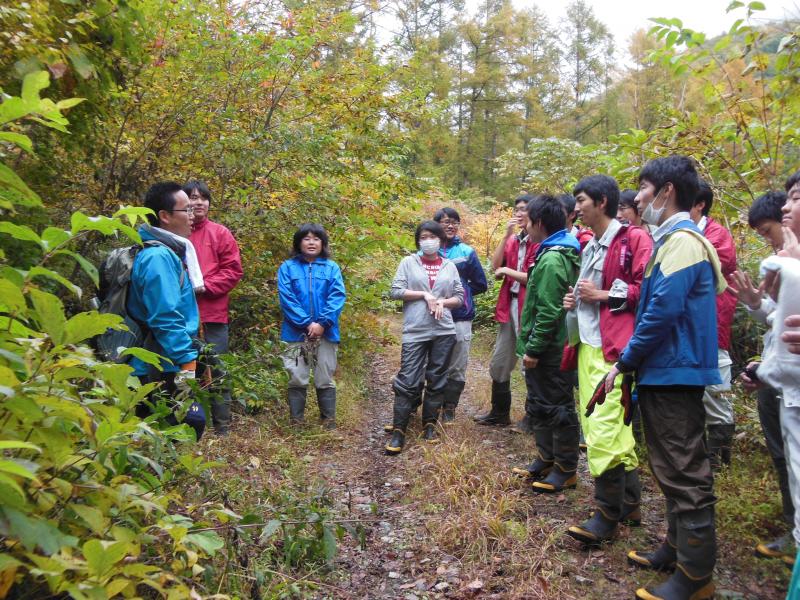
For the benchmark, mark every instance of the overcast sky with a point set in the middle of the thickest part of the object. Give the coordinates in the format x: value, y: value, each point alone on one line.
x: 623, y: 17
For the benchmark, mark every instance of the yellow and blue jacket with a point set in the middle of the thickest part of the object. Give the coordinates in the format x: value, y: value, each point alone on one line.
x: 675, y: 338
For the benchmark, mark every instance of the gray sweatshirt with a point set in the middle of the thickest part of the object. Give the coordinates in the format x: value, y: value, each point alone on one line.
x: 418, y: 324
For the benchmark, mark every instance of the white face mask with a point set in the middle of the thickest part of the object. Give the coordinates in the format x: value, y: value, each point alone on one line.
x: 429, y: 246
x: 652, y: 216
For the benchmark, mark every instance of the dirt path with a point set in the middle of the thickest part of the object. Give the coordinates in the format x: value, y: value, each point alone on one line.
x: 449, y: 521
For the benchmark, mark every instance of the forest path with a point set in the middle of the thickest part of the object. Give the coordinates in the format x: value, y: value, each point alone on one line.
x: 450, y: 521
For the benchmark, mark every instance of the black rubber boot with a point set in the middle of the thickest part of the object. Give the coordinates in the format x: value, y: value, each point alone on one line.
x: 631, y: 513
x: 556, y: 481
x: 697, y: 555
x: 429, y: 433
x: 779, y: 548
x: 680, y: 587
x: 665, y: 557
x: 536, y: 470
x: 501, y: 405
x: 452, y: 394
x: 543, y: 436
x: 297, y: 404
x: 326, y: 399
x: 431, y: 407
x: 609, y: 495
x: 720, y: 439
x: 395, y: 445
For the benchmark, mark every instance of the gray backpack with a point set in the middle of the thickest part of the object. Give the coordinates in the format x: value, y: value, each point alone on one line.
x: 112, y: 296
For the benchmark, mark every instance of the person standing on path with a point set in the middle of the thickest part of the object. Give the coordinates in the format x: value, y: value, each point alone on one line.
x: 673, y: 352
x: 430, y: 288
x: 473, y: 280
x: 765, y: 217
x: 312, y: 295
x: 541, y: 340
x: 510, y: 261
x: 601, y: 311
x: 716, y: 398
x: 221, y: 265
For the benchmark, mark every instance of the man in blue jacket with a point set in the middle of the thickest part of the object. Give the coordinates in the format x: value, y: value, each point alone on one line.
x: 673, y: 351
x: 473, y: 279
x: 161, y: 295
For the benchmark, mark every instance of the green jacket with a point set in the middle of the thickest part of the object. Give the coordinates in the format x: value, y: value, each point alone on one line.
x: 543, y: 328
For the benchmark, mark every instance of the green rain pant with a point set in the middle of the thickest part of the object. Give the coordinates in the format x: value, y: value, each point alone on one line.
x: 609, y: 441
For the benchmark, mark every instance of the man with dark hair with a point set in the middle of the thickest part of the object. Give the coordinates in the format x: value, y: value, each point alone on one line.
x: 765, y: 217
x: 510, y: 261
x: 582, y: 234
x: 473, y: 279
x: 673, y: 351
x: 221, y: 264
x: 600, y: 318
x: 164, y: 278
x: 716, y: 398
x: 541, y: 345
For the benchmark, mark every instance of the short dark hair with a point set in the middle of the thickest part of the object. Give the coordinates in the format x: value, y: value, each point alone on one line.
x: 597, y: 186
x: 312, y: 229
x: 794, y: 178
x: 523, y: 198
x: 705, y: 195
x: 568, y: 202
x: 627, y: 198
x: 677, y: 170
x: 549, y: 211
x: 448, y: 212
x: 767, y: 207
x: 160, y: 196
x: 200, y: 187
x: 434, y: 228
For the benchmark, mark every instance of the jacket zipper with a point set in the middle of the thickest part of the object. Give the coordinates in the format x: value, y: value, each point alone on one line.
x: 311, y: 291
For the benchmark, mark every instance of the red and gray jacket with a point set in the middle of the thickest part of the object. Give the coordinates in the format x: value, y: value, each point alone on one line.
x: 722, y: 241
x: 627, y: 258
x: 502, y: 310
x: 221, y: 265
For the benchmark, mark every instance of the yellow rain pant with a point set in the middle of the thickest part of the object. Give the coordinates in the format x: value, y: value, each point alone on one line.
x: 609, y: 441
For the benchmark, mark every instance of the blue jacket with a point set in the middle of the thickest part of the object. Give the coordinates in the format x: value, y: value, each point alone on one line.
x: 471, y: 273
x: 158, y: 298
x: 675, y: 338
x: 310, y: 292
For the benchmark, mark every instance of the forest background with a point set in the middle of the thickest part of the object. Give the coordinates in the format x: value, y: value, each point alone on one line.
x: 295, y: 112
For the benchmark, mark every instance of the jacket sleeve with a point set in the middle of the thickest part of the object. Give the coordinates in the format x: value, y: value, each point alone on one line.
x: 641, y: 246
x: 293, y: 311
x: 671, y: 287
x: 476, y: 278
x: 458, y: 288
x: 552, y: 278
x: 229, y: 270
x: 400, y: 281
x: 161, y: 296
x: 334, y: 303
x: 723, y: 243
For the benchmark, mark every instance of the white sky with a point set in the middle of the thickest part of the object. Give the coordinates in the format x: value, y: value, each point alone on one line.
x: 623, y: 17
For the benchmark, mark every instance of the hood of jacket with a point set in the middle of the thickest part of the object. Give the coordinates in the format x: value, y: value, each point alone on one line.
x: 149, y: 233
x: 560, y: 238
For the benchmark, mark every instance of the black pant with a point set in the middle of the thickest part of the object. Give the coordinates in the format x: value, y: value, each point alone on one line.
x: 166, y: 391
x: 674, y: 430
x: 769, y: 400
x: 550, y: 404
x: 422, y: 361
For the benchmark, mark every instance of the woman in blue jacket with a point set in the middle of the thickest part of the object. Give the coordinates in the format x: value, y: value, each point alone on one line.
x: 312, y: 296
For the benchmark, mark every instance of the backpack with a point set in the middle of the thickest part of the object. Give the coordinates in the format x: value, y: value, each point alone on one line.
x: 112, y: 296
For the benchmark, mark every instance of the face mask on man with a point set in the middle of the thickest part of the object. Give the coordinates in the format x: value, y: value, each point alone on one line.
x: 429, y: 246
x: 652, y: 216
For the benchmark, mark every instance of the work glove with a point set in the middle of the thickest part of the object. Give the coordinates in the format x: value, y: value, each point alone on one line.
x: 627, y: 400
x: 598, y: 397
x: 183, y: 378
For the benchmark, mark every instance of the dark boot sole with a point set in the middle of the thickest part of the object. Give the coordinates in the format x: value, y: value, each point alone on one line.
x: 545, y: 488
x: 704, y: 593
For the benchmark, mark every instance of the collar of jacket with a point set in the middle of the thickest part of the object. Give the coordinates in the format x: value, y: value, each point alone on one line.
x: 317, y: 261
x: 454, y: 242
x: 559, y: 238
x: 200, y: 224
x: 148, y: 233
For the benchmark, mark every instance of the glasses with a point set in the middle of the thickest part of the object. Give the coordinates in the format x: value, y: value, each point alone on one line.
x: 188, y: 211
x: 448, y: 223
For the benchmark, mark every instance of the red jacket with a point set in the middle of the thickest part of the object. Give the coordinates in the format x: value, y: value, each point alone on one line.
x: 221, y: 264
x: 626, y: 260
x: 722, y: 240
x: 502, y: 310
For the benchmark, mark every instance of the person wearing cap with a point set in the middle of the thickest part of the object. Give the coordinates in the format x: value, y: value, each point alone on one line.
x: 601, y: 312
